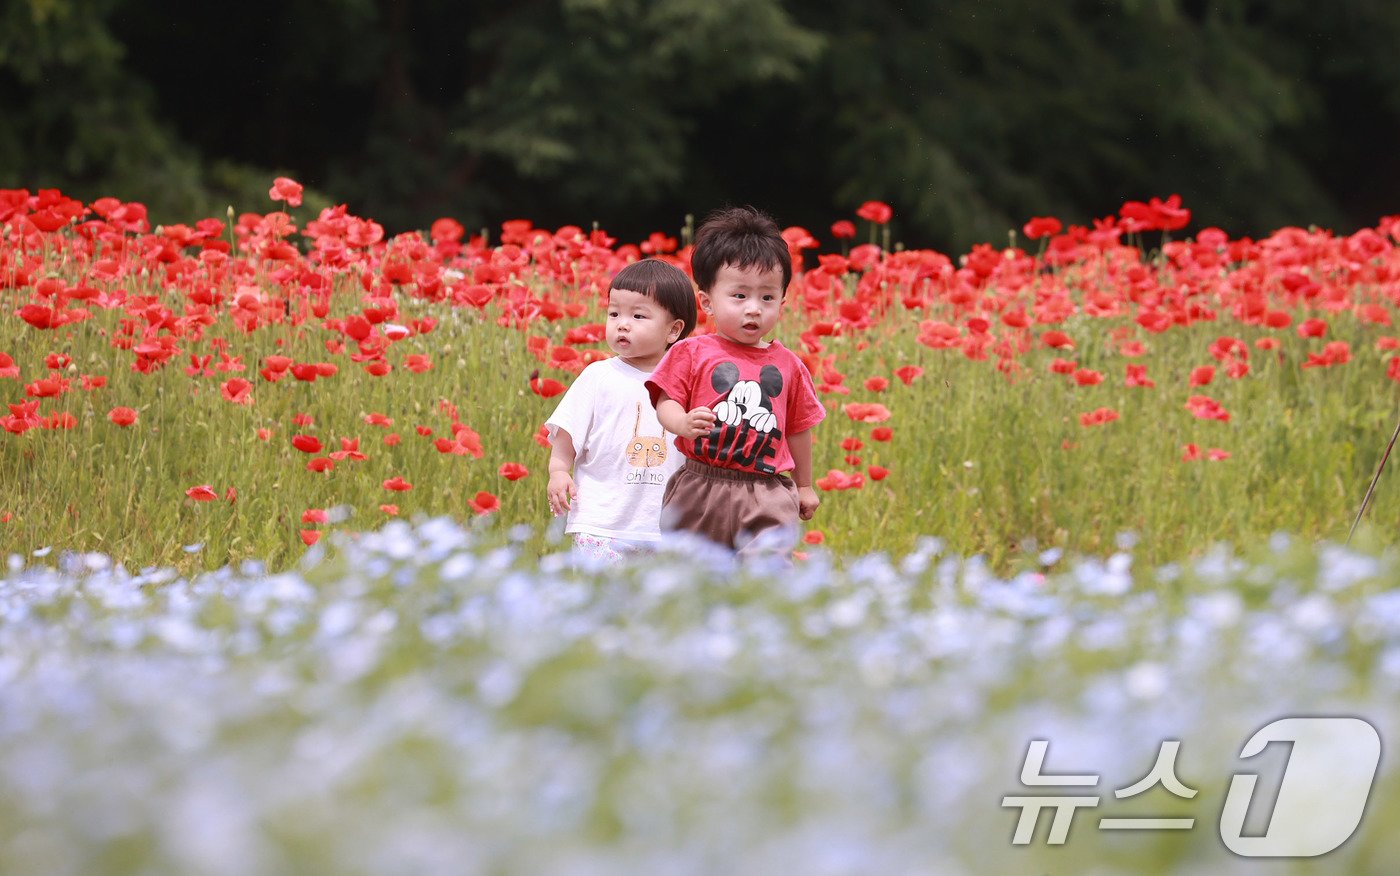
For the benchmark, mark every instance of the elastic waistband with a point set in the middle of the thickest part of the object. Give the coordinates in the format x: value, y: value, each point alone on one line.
x: 726, y: 474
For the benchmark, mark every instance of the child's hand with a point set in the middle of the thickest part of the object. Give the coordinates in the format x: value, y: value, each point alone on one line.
x: 807, y: 502
x: 562, y: 490
x: 698, y: 421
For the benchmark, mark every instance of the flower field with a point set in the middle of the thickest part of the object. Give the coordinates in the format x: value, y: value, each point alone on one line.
x: 426, y: 700
x: 186, y: 395
x: 281, y: 595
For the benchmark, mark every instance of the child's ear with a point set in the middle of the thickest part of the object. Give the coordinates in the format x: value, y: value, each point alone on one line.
x: 677, y: 326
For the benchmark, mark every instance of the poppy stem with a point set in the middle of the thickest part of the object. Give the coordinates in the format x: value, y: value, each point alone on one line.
x: 1367, y: 500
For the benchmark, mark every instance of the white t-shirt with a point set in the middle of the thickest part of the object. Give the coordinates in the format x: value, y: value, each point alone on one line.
x: 624, y: 458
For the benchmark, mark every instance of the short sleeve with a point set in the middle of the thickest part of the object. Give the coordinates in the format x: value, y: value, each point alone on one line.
x: 805, y: 410
x: 574, y: 414
x: 672, y: 375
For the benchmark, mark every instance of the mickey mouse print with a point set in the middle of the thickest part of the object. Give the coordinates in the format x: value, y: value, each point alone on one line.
x: 759, y: 396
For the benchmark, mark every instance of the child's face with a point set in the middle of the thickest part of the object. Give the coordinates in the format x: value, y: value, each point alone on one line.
x: 744, y: 302
x: 639, y: 329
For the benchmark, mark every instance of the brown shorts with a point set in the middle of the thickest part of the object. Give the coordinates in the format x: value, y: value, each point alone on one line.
x: 732, y: 508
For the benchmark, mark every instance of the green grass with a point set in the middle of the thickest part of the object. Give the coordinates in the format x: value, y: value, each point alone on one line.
x: 993, y: 465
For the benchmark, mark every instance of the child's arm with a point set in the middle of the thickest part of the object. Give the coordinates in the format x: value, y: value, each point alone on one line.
x: 678, y: 421
x: 800, y: 445
x: 561, y: 465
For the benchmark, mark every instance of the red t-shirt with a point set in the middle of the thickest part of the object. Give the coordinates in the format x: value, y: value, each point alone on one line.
x: 760, y: 395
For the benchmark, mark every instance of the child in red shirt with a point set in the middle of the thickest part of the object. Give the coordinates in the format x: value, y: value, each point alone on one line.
x: 741, y: 407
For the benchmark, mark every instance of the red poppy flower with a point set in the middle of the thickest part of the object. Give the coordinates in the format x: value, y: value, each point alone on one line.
x: 1202, y: 375
x: 9, y: 369
x: 285, y: 189
x: 547, y: 387
x: 878, y: 472
x: 1137, y: 376
x: 238, y: 391
x: 839, y: 480
x: 1226, y: 347
x: 908, y: 373
x: 514, y: 471
x: 876, y: 384
x: 1042, y: 226
x: 309, y: 536
x: 303, y: 420
x: 307, y: 443
x: 814, y: 536
x: 418, y: 363
x: 391, y: 439
x: 305, y: 371
x: 1206, y: 408
x: 1236, y: 369
x: 1335, y: 353
x: 1057, y: 339
x: 313, y: 515
x: 1215, y: 454
x: 278, y: 363
x: 1088, y: 377
x: 391, y: 510
x: 542, y: 437
x: 1190, y: 453
x: 843, y: 229
x: 1063, y: 366
x: 875, y: 211
x: 1132, y: 349
x: 47, y: 387
x: 264, y: 434
x: 122, y: 416
x: 1312, y: 328
x: 202, y: 493
x: 320, y: 464
x: 378, y: 368
x: 349, y: 449
x: 397, y: 484
x: 882, y: 433
x: 852, y: 460
x: 59, y: 420
x: 851, y: 445
x: 484, y: 503
x: 1098, y: 417
x: 866, y: 412
x: 373, y: 419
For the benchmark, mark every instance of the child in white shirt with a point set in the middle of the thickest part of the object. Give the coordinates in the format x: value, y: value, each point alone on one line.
x: 610, y: 459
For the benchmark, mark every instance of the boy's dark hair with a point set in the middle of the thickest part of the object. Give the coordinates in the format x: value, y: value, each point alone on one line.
x: 741, y: 237
x: 663, y: 283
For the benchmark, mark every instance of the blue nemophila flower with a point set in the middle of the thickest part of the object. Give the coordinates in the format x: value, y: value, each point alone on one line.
x: 430, y: 698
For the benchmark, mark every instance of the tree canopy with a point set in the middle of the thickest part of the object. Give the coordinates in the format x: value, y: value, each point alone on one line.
x: 966, y: 116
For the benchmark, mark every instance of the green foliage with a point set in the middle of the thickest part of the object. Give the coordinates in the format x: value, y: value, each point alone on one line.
x: 607, y: 120
x: 968, y: 117
x: 77, y: 118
